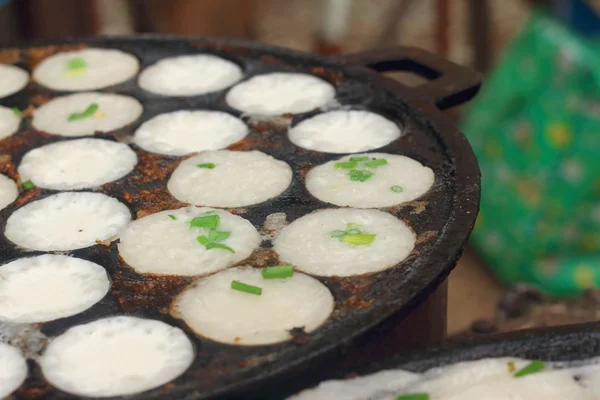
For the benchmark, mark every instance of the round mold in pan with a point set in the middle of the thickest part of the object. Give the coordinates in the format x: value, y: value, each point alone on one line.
x: 442, y: 218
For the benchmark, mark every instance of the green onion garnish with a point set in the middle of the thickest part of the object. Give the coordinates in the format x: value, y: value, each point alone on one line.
x: 337, y: 234
x: 206, y: 221
x: 376, y: 163
x: 279, y: 271
x: 353, y: 232
x: 360, y: 239
x: 345, y: 165
x: 213, y: 245
x: 413, y: 396
x: 359, y: 159
x: 361, y: 176
x: 217, y: 236
x: 27, y: 185
x: 396, y: 189
x: 531, y: 368
x: 243, y: 287
x: 206, y: 165
x: 85, y: 114
x: 172, y: 217
x: 17, y: 112
x: 203, y: 240
x: 352, y: 225
x: 76, y: 63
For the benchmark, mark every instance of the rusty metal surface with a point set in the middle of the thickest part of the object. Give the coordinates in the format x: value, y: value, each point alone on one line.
x: 442, y: 218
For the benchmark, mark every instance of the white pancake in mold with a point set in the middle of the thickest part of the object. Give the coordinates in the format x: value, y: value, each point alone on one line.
x: 159, y: 244
x: 13, y: 369
x: 9, y: 122
x: 344, y: 132
x: 67, y: 221
x: 116, y: 356
x: 114, y: 111
x: 214, y: 310
x: 401, y: 179
x: 239, y: 178
x: 308, y: 244
x: 63, y: 286
x: 280, y: 93
x: 8, y: 191
x: 184, y: 132
x: 103, y: 68
x: 12, y: 79
x: 189, y: 75
x: 77, y: 164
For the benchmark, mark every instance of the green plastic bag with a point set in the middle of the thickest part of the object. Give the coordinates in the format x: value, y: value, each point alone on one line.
x: 535, y: 128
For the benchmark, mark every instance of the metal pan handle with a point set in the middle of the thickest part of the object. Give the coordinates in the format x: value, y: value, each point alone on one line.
x: 450, y: 84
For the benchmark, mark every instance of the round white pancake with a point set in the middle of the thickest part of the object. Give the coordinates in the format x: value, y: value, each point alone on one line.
x: 13, y: 369
x: 307, y: 243
x: 214, y: 310
x: 333, y: 185
x: 280, y: 93
x: 239, y: 178
x: 116, y: 356
x: 8, y: 191
x: 67, y: 221
x: 157, y: 244
x: 344, y: 132
x: 77, y: 164
x: 184, y: 132
x: 63, y: 286
x: 105, y: 67
x: 189, y: 75
x: 9, y: 122
x: 114, y: 111
x: 12, y: 79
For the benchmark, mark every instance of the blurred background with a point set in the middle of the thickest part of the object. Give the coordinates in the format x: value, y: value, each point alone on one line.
x: 534, y: 257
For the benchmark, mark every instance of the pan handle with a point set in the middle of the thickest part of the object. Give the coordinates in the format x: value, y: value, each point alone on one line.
x: 449, y: 84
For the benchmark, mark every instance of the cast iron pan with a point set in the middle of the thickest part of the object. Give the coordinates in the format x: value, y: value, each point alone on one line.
x: 442, y: 218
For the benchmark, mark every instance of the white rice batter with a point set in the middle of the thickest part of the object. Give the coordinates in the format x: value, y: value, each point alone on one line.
x: 12, y: 79
x: 8, y: 191
x: 67, y: 221
x: 215, y: 310
x: 77, y: 164
x: 229, y: 178
x: 114, y: 111
x: 9, y: 122
x: 399, y: 180
x: 102, y: 68
x: 344, y: 132
x: 280, y: 93
x: 190, y: 75
x: 311, y: 245
x: 159, y: 244
x: 49, y: 287
x: 13, y: 369
x: 184, y: 132
x: 116, y: 356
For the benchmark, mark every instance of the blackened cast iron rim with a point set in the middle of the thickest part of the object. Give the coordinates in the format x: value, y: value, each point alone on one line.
x: 451, y: 85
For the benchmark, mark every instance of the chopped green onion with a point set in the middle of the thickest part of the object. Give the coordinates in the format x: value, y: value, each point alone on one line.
x: 206, y: 221
x: 359, y: 159
x: 76, y: 63
x: 27, y: 185
x: 365, y: 175
x: 396, y: 189
x: 279, y: 271
x: 172, y: 217
x: 345, y: 165
x: 531, y: 368
x: 360, y: 239
x: 17, y: 112
x: 85, y: 114
x: 353, y: 232
x: 213, y: 245
x: 243, y: 287
x: 376, y: 163
x: 203, y: 240
x: 206, y: 165
x: 357, y: 175
x: 337, y: 234
x: 413, y: 396
x: 217, y: 236
x: 352, y: 225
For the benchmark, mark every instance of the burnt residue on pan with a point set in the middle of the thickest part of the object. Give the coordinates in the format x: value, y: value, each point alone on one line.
x: 442, y: 218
